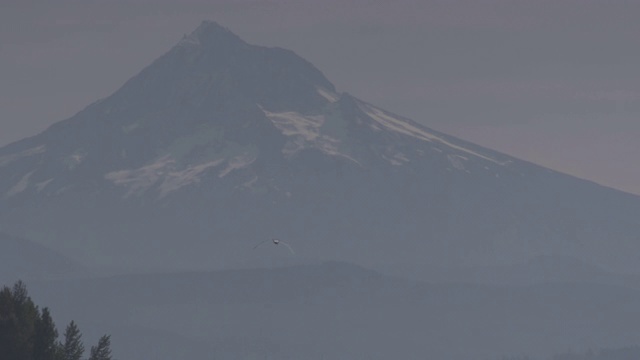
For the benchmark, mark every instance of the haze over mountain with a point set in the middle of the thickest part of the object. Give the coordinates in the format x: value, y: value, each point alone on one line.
x: 24, y: 259
x: 219, y: 144
x: 339, y: 311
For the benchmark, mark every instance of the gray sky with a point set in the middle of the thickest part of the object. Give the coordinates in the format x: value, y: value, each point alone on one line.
x: 555, y: 82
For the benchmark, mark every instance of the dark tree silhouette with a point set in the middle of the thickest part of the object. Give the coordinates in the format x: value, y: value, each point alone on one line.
x: 8, y: 325
x: 45, y: 346
x: 18, y: 317
x: 26, y: 333
x: 102, y: 351
x: 72, y: 348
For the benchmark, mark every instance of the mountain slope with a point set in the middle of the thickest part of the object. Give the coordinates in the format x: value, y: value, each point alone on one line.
x: 21, y: 259
x: 219, y: 144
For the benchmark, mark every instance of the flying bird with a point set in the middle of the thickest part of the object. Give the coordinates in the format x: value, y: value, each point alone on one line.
x: 276, y: 242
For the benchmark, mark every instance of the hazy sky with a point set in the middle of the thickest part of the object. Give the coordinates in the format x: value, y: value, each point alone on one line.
x: 551, y: 81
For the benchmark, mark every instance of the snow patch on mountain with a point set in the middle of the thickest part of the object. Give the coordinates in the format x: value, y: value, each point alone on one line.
x: 171, y: 171
x: 392, y: 161
x: 7, y: 159
x: 291, y: 123
x: 177, y: 179
x: 75, y: 159
x: 457, y: 161
x: 305, y: 131
x: 250, y: 184
x: 404, y: 127
x: 163, y: 172
x: 41, y: 185
x: 20, y: 186
x: 139, y: 180
x: 329, y: 95
x: 131, y: 127
x: 238, y: 162
x: 397, y: 125
x: 399, y: 159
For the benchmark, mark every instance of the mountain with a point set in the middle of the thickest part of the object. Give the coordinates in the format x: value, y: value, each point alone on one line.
x: 24, y: 259
x: 338, y: 311
x: 219, y: 144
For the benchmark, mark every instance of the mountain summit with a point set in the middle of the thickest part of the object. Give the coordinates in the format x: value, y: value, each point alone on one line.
x: 227, y: 68
x: 219, y: 144
x: 212, y: 34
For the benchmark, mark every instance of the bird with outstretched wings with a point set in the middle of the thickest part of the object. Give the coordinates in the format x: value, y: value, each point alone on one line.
x: 276, y: 242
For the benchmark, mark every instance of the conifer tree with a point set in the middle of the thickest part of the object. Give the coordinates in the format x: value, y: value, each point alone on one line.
x: 26, y: 333
x: 72, y: 349
x: 45, y: 346
x: 26, y: 314
x: 102, y: 351
x: 8, y: 325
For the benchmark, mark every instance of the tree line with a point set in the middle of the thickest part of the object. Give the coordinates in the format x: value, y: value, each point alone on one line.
x: 28, y: 333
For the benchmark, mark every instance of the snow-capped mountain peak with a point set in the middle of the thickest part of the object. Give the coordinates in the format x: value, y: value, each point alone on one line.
x: 219, y: 142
